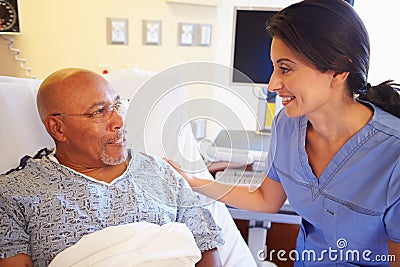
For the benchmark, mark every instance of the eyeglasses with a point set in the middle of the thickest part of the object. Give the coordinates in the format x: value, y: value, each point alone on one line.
x: 102, y: 113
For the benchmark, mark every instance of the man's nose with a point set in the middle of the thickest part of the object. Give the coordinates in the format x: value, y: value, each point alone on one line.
x: 117, y: 119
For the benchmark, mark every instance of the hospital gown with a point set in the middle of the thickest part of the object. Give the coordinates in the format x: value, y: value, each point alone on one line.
x: 353, y: 209
x: 46, y: 207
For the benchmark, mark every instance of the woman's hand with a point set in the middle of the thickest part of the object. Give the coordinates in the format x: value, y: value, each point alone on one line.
x: 190, y: 180
x: 269, y: 197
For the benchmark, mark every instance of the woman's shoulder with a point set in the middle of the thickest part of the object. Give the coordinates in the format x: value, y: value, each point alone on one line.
x: 385, y: 122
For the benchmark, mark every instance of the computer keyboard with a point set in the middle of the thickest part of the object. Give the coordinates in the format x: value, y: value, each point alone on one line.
x: 242, y: 177
x: 238, y: 176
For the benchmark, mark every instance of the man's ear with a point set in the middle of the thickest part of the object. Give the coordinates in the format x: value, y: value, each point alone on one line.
x: 339, y: 78
x: 54, y: 127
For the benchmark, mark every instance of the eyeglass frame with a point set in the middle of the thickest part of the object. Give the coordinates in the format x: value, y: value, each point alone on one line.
x: 121, y: 102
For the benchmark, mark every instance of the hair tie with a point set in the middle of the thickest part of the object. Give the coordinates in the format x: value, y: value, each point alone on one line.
x: 364, y: 89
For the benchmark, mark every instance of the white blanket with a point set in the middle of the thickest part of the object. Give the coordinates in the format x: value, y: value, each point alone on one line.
x: 137, y: 244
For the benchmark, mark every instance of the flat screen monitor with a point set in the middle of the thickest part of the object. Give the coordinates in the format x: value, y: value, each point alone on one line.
x: 251, y: 45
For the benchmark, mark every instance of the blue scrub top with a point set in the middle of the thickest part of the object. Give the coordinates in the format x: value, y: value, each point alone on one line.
x: 351, y: 211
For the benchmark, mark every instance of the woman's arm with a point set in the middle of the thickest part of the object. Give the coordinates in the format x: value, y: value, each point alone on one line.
x: 269, y: 197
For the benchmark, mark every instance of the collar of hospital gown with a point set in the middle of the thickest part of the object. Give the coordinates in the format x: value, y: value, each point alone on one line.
x: 356, y: 201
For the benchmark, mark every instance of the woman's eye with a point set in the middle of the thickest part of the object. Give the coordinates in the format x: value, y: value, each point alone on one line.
x: 284, y: 70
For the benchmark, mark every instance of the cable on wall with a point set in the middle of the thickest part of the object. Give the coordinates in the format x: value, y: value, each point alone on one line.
x: 17, y: 58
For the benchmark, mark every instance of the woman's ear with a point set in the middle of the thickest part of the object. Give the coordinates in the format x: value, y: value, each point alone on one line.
x: 339, y: 78
x: 54, y: 127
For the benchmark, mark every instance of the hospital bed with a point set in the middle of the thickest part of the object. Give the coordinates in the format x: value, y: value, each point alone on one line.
x: 22, y: 133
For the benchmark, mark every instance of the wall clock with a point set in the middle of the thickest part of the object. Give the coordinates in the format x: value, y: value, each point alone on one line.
x: 9, y: 17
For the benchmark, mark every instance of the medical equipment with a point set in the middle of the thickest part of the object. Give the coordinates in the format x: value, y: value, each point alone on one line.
x: 9, y: 17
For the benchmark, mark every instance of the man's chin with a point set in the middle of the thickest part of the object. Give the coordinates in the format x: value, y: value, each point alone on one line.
x: 114, y: 155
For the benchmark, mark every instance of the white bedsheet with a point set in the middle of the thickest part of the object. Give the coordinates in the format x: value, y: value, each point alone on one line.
x: 137, y: 244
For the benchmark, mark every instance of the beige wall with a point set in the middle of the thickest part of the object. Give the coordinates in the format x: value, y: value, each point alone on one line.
x: 60, y: 33
x: 63, y: 33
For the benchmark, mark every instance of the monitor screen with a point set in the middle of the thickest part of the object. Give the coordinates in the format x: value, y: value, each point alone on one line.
x: 351, y: 2
x: 251, y: 45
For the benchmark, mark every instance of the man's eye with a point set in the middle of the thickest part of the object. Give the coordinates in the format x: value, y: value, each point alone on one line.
x: 118, y: 105
x: 99, y: 112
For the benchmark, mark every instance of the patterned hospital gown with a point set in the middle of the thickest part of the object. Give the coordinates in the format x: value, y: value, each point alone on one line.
x: 46, y: 207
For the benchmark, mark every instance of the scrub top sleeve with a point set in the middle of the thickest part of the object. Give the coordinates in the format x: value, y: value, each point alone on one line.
x: 392, y: 215
x: 269, y: 164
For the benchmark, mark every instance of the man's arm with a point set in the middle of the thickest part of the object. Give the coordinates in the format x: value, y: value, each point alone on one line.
x: 394, y: 249
x: 19, y: 260
x: 210, y: 258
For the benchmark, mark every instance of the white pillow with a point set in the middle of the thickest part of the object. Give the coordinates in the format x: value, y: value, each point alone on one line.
x: 22, y: 133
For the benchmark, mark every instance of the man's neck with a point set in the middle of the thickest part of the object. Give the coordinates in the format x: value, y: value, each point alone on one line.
x: 105, y: 173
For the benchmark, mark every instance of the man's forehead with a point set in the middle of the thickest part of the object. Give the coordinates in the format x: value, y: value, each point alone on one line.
x: 90, y: 92
x: 91, y: 84
x: 101, y: 102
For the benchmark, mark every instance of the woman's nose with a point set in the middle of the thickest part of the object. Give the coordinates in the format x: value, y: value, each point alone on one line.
x: 274, y: 83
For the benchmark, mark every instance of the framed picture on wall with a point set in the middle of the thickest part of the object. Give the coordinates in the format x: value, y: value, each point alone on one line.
x: 151, y: 32
x: 204, y: 31
x: 186, y: 34
x: 117, y: 31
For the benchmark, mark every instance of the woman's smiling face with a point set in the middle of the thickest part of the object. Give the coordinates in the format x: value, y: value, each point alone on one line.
x: 302, y: 87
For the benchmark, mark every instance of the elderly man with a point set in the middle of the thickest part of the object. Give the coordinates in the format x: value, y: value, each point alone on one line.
x: 90, y: 181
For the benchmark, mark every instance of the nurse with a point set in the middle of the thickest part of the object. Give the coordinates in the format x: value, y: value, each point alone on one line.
x: 335, y: 149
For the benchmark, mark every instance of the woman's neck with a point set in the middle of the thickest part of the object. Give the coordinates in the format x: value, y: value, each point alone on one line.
x: 340, y: 123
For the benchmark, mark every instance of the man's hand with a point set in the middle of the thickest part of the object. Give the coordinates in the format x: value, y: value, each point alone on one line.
x: 210, y: 258
x: 394, y: 250
x: 19, y: 260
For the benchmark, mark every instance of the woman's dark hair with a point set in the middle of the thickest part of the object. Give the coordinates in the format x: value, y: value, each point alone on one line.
x: 331, y: 36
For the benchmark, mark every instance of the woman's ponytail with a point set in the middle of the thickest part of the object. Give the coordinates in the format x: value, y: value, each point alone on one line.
x: 385, y: 95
